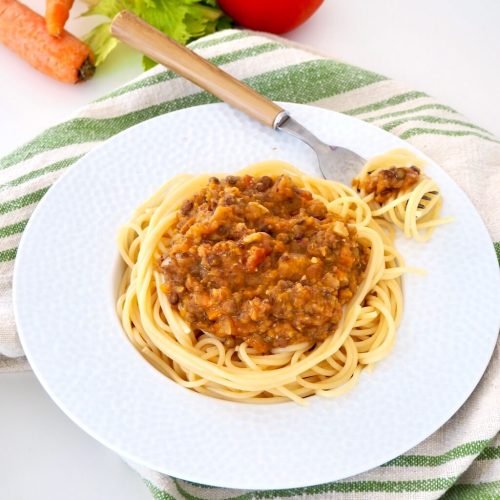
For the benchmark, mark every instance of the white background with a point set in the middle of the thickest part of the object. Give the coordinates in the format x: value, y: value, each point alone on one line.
x: 450, y: 49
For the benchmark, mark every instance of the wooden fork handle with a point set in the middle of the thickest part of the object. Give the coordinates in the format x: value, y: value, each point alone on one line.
x: 140, y: 35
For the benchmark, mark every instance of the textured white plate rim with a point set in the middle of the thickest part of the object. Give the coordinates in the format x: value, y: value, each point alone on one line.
x: 239, y: 482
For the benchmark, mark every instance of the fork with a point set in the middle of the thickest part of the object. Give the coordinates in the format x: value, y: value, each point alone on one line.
x: 335, y: 162
x: 140, y: 35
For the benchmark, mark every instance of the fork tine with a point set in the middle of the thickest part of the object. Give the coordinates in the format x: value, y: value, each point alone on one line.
x: 426, y: 198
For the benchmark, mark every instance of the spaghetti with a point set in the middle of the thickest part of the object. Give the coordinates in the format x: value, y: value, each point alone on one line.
x: 202, y: 362
x: 415, y: 209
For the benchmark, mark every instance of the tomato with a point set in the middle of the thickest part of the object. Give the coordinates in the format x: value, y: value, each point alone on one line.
x: 275, y: 16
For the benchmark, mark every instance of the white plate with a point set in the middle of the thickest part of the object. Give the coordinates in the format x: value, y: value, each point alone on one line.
x: 65, y: 290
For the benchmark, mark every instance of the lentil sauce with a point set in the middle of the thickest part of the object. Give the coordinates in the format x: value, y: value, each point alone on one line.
x: 387, y: 183
x: 260, y: 260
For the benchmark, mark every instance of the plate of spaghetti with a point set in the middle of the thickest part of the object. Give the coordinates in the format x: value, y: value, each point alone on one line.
x: 196, y: 297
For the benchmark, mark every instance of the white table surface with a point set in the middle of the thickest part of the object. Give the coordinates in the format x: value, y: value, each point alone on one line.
x: 450, y: 49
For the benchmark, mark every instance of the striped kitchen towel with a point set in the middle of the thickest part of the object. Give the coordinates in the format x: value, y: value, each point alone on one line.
x: 462, y: 459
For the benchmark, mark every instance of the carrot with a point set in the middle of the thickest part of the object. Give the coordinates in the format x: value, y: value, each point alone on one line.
x: 65, y: 58
x: 56, y: 15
